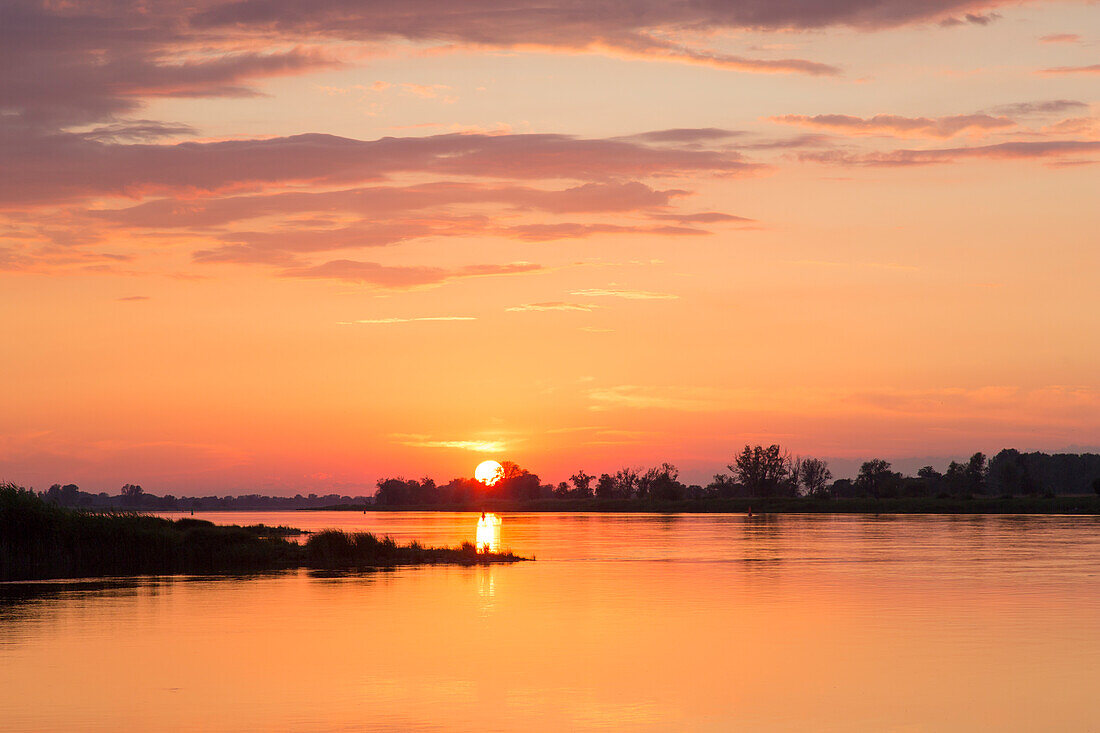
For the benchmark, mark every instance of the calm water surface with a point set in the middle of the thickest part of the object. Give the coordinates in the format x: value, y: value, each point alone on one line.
x: 625, y: 622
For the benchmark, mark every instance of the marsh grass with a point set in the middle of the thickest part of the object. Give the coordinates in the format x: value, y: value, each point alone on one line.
x: 335, y: 549
x: 40, y: 540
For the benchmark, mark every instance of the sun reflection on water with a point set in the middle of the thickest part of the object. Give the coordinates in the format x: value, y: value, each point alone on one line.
x: 488, y: 533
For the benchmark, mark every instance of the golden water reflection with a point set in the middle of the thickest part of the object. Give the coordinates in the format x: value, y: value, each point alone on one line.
x: 623, y: 623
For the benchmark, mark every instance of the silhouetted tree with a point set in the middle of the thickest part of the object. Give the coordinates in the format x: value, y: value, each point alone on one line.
x: 392, y: 492
x: 762, y: 471
x: 67, y: 495
x: 131, y: 494
x: 1060, y: 473
x: 605, y: 486
x: 462, y: 490
x: 661, y: 483
x: 876, y: 479
x: 725, y: 487
x: 814, y: 475
x: 963, y: 479
x: 844, y: 488
x: 695, y: 491
x: 976, y: 470
x: 518, y: 483
x: 582, y: 484
x: 1010, y: 473
x: 955, y: 478
x: 626, y: 483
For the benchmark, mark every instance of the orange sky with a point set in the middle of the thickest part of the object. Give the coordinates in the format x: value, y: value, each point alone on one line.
x: 257, y: 246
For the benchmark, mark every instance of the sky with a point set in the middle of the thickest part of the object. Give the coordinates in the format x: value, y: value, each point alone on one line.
x: 281, y: 247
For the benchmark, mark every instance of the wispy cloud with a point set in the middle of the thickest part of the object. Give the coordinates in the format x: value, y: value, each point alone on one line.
x: 1087, y: 126
x: 651, y: 48
x: 69, y: 167
x: 406, y: 320
x: 1043, y: 107
x: 871, y: 265
x: 1057, y: 402
x: 1058, y: 70
x: 627, y: 294
x: 999, y: 151
x: 1060, y: 38
x: 571, y: 230
x: 388, y: 203
x: 681, y: 135
x: 476, y: 446
x: 705, y: 217
x: 103, y: 60
x: 971, y: 18
x: 556, y: 305
x: 683, y: 399
x: 900, y: 126
x: 392, y: 277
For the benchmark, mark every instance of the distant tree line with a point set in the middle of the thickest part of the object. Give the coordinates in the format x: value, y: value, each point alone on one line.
x: 133, y: 498
x: 756, y: 471
x: 771, y: 471
x: 1009, y: 473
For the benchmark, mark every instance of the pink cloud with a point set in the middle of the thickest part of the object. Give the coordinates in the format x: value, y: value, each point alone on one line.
x: 1088, y: 126
x: 1000, y: 151
x: 1093, y: 69
x: 570, y: 230
x: 63, y: 65
x: 644, y: 46
x: 390, y: 201
x: 560, y: 21
x: 65, y: 167
x: 706, y: 217
x: 1060, y: 38
x: 72, y: 63
x: 388, y: 277
x: 48, y: 258
x: 682, y: 135
x: 934, y: 127
x: 201, y: 177
x: 971, y: 18
x: 1041, y: 108
x: 280, y: 246
x: 555, y: 305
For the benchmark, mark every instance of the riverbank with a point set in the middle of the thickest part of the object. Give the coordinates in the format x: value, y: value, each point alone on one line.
x: 774, y: 505
x: 39, y: 540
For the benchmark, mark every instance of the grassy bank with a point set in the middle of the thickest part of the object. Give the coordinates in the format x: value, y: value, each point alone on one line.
x: 41, y: 540
x: 783, y: 505
x: 332, y: 549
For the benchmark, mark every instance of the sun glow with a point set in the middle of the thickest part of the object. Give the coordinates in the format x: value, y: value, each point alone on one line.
x: 489, y: 472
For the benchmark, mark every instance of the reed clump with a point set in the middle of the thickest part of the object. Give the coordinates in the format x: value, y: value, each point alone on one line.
x: 335, y: 549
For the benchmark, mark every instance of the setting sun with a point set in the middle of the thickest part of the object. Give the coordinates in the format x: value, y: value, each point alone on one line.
x: 489, y: 472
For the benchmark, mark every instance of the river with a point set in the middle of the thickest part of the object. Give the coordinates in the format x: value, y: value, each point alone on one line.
x: 624, y: 622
